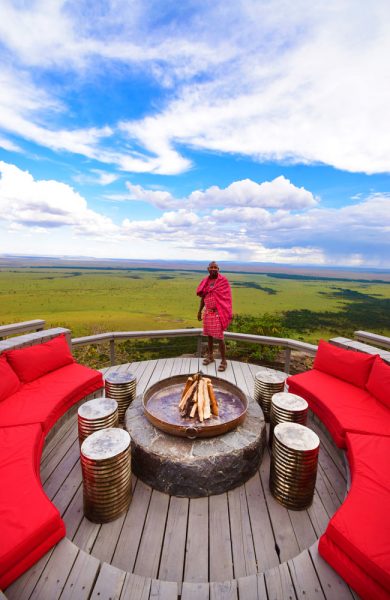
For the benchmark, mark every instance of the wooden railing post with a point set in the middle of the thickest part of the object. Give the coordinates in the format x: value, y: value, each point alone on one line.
x: 112, y: 352
x: 287, y: 359
x: 199, y: 346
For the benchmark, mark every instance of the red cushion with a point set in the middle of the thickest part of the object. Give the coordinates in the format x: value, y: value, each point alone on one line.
x: 46, y: 399
x: 341, y: 406
x: 28, y: 518
x: 9, y: 381
x: 361, y: 526
x: 353, y: 575
x: 348, y: 365
x: 378, y: 383
x: 35, y: 361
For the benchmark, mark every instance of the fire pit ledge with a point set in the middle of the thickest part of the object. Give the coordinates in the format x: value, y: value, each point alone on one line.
x: 199, y: 467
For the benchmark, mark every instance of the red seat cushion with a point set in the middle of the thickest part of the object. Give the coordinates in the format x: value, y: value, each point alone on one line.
x: 28, y: 519
x: 348, y: 365
x: 9, y: 381
x: 341, y: 406
x: 378, y: 383
x: 35, y: 361
x: 361, y: 526
x: 46, y: 399
x: 353, y: 575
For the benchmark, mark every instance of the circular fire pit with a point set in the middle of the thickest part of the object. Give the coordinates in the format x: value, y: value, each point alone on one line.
x: 195, y: 467
x: 161, y: 402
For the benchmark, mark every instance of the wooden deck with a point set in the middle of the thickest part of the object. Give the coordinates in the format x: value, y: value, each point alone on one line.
x: 238, y: 545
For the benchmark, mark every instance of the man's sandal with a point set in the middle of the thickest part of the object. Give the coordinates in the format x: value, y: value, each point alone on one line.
x: 208, y: 360
x: 222, y: 367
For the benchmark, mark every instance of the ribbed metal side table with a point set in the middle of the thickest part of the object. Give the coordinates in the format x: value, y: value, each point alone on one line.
x: 286, y: 407
x: 106, y: 468
x: 268, y: 383
x: 122, y: 387
x: 99, y: 413
x: 294, y: 465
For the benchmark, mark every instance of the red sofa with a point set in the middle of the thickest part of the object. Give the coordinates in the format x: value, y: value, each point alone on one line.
x: 38, y: 384
x: 350, y: 393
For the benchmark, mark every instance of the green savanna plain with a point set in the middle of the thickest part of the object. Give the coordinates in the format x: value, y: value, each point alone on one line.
x: 89, y: 301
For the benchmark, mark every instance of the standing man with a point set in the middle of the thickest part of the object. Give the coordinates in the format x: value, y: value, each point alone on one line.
x: 216, y: 299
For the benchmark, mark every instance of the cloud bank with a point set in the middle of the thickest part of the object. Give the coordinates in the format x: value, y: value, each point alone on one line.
x: 292, y: 82
x: 276, y: 227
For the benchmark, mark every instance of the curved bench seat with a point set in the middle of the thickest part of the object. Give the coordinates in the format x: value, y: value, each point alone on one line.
x: 29, y: 407
x: 30, y: 523
x: 357, y: 539
x: 341, y: 406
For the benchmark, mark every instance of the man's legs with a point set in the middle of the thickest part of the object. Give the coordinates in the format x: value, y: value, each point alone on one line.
x: 222, y: 349
x: 210, y: 351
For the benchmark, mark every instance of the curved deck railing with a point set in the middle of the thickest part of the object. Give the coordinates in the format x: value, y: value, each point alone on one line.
x: 111, y: 337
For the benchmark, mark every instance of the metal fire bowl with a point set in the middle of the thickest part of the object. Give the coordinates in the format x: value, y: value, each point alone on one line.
x: 161, y: 406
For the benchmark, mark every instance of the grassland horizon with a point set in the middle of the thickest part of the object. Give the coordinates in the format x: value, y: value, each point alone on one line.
x: 94, y: 296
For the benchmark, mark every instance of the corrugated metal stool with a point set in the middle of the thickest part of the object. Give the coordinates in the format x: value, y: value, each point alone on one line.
x: 294, y: 462
x: 268, y: 383
x: 96, y: 414
x: 286, y: 407
x: 122, y: 387
x: 106, y: 468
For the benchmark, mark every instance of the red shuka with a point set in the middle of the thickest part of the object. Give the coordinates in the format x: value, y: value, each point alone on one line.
x: 222, y: 296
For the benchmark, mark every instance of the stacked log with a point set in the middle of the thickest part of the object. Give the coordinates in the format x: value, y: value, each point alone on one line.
x: 198, y: 398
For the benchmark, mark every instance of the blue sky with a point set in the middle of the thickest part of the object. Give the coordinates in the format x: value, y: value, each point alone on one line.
x: 253, y: 130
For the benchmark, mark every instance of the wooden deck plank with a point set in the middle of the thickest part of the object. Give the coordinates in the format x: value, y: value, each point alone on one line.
x: 326, y: 492
x: 149, y: 552
x: 107, y: 539
x: 332, y: 584
x: 136, y: 587
x: 54, y: 482
x: 109, y: 583
x: 131, y: 533
x: 143, y: 380
x: 86, y: 534
x: 81, y: 578
x: 262, y: 532
x: 252, y: 587
x: 279, y: 516
x: 279, y: 583
x: 226, y: 590
x: 68, y: 489
x: 303, y: 528
x: 333, y: 474
x: 244, y: 557
x: 173, y: 550
x: 163, y: 590
x: 195, y: 591
x: 318, y: 515
x: 221, y: 560
x: 56, y: 572
x: 196, y: 567
x: 74, y: 513
x: 306, y: 582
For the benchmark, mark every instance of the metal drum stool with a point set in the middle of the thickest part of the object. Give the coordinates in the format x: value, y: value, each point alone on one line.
x: 286, y: 407
x: 96, y: 414
x: 122, y: 388
x: 106, y: 468
x: 268, y: 383
x: 294, y: 465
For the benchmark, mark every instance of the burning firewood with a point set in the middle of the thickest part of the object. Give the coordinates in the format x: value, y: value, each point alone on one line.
x: 198, y: 398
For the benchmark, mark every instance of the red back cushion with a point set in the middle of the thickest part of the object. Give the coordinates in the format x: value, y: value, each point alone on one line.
x: 35, y: 361
x: 9, y: 381
x: 348, y: 365
x: 378, y: 383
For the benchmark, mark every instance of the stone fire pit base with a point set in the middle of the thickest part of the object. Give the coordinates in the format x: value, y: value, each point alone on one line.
x: 195, y: 468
